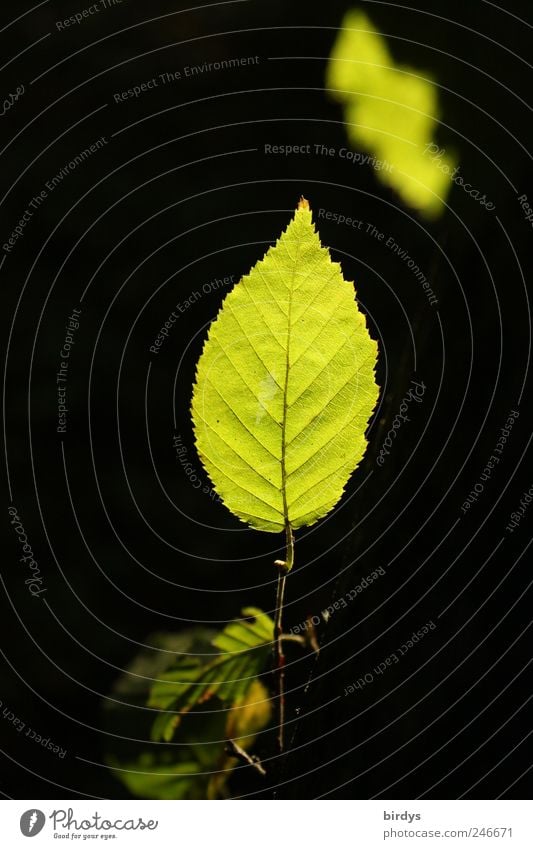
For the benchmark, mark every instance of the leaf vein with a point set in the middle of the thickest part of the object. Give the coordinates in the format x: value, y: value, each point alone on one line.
x: 310, y: 422
x: 246, y: 428
x: 241, y: 486
x: 253, y: 468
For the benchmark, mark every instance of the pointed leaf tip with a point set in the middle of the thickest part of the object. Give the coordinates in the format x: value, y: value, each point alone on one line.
x: 303, y: 203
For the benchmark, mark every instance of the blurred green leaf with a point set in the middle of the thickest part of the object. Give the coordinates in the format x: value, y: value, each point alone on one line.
x: 151, y: 777
x: 392, y: 111
x: 244, y: 650
x: 195, y: 765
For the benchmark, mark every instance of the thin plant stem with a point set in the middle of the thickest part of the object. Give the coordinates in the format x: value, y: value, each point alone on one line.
x: 284, y: 567
x: 293, y: 638
x: 280, y: 658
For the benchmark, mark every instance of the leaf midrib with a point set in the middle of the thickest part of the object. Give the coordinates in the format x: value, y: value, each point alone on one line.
x: 285, y: 392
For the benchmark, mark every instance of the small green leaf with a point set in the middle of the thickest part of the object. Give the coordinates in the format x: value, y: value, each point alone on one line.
x: 238, y: 636
x: 151, y: 777
x: 245, y: 647
x: 285, y: 386
x: 198, y: 767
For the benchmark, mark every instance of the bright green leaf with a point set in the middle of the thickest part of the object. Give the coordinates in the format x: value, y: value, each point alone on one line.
x: 285, y: 386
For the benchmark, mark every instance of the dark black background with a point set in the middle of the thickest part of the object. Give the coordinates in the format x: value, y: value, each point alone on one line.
x: 184, y: 194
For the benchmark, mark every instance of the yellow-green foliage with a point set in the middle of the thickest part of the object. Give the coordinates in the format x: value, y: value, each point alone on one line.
x: 390, y: 110
x: 285, y: 386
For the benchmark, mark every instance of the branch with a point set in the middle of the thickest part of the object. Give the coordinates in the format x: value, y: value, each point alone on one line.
x: 232, y: 748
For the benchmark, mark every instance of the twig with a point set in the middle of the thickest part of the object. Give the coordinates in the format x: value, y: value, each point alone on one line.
x: 232, y: 748
x: 311, y: 637
x: 293, y: 638
x: 284, y: 567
